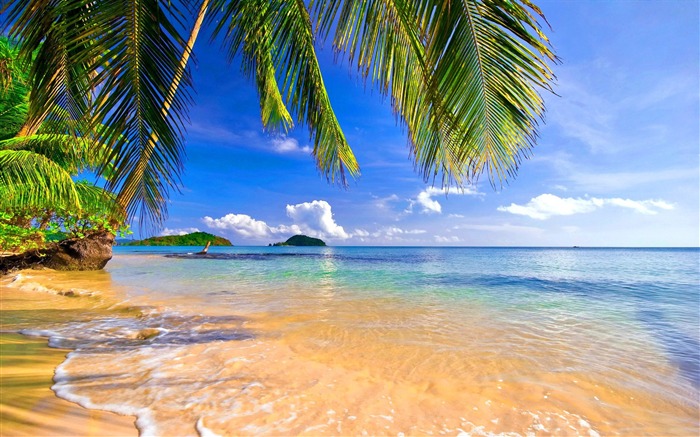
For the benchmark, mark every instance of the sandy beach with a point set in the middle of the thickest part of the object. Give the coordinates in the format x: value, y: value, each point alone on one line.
x: 28, y: 406
x: 356, y: 341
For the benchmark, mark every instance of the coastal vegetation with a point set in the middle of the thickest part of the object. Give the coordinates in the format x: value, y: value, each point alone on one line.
x: 301, y: 240
x: 192, y: 239
x: 42, y: 199
x: 462, y: 77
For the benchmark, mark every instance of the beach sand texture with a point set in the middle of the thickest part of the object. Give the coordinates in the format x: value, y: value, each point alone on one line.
x: 28, y: 406
x: 332, y: 344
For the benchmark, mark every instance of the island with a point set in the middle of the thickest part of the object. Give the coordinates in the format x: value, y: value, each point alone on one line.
x: 301, y: 240
x: 193, y: 239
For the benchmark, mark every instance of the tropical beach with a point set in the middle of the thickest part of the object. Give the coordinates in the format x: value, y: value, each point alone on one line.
x: 415, y: 218
x: 28, y: 406
x: 293, y: 343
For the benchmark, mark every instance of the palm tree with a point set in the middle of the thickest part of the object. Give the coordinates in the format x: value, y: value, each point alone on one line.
x: 462, y: 75
x: 37, y: 171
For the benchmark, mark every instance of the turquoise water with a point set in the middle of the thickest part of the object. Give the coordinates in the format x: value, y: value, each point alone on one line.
x: 478, y: 341
x: 655, y: 292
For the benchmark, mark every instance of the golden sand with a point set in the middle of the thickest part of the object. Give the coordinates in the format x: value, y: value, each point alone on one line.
x: 28, y: 407
x: 298, y: 371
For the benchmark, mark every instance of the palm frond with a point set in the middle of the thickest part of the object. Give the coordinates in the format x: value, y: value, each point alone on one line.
x: 73, y: 154
x: 112, y: 62
x: 31, y: 180
x: 143, y: 54
x: 14, y: 89
x: 463, y: 76
x: 55, y: 45
x: 11, y: 70
x: 97, y: 201
x: 285, y: 28
x: 490, y: 58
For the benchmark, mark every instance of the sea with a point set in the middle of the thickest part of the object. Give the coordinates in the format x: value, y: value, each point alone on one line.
x: 396, y: 341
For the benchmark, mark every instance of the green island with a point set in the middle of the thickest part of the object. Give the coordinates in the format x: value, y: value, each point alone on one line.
x: 193, y: 239
x: 301, y: 240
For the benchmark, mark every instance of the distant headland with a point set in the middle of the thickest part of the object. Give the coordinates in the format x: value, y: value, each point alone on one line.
x: 193, y: 239
x: 301, y: 240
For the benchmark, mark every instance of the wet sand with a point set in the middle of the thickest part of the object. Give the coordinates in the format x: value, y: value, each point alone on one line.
x: 28, y: 406
x: 325, y: 359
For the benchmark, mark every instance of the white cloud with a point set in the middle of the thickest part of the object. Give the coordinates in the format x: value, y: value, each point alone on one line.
x: 383, y: 202
x: 360, y: 233
x: 316, y: 219
x: 284, y: 144
x: 393, y: 230
x: 545, y: 206
x: 180, y: 231
x: 311, y: 218
x: 396, y: 234
x: 242, y: 224
x: 451, y: 239
x: 431, y: 206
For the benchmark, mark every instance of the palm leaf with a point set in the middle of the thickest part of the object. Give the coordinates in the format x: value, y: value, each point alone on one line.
x: 73, y: 154
x: 55, y: 46
x: 462, y: 76
x: 143, y: 58
x: 111, y: 63
x: 97, y: 201
x: 31, y: 180
x: 284, y: 28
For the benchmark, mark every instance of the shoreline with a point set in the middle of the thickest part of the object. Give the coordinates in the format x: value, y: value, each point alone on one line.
x: 28, y: 405
x: 300, y: 347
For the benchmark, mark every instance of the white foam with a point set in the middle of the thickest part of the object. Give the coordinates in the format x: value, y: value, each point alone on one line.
x: 25, y: 283
x: 62, y: 387
x: 39, y: 333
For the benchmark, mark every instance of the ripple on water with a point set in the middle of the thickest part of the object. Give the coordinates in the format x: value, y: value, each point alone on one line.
x: 428, y: 342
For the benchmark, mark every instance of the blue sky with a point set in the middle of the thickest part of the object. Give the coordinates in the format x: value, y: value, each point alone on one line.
x: 616, y: 164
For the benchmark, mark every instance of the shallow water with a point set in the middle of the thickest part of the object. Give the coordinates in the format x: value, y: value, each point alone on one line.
x: 383, y: 341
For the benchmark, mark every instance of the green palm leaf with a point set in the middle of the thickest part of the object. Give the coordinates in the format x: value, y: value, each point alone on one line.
x: 73, y: 154
x: 28, y: 179
x: 285, y: 29
x: 462, y: 75
x: 111, y: 64
x: 97, y: 201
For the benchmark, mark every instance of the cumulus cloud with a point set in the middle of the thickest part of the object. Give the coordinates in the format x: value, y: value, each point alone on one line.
x: 545, y: 206
x: 180, y: 231
x: 316, y: 218
x: 312, y: 218
x: 288, y: 145
x: 428, y: 205
x: 242, y: 224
